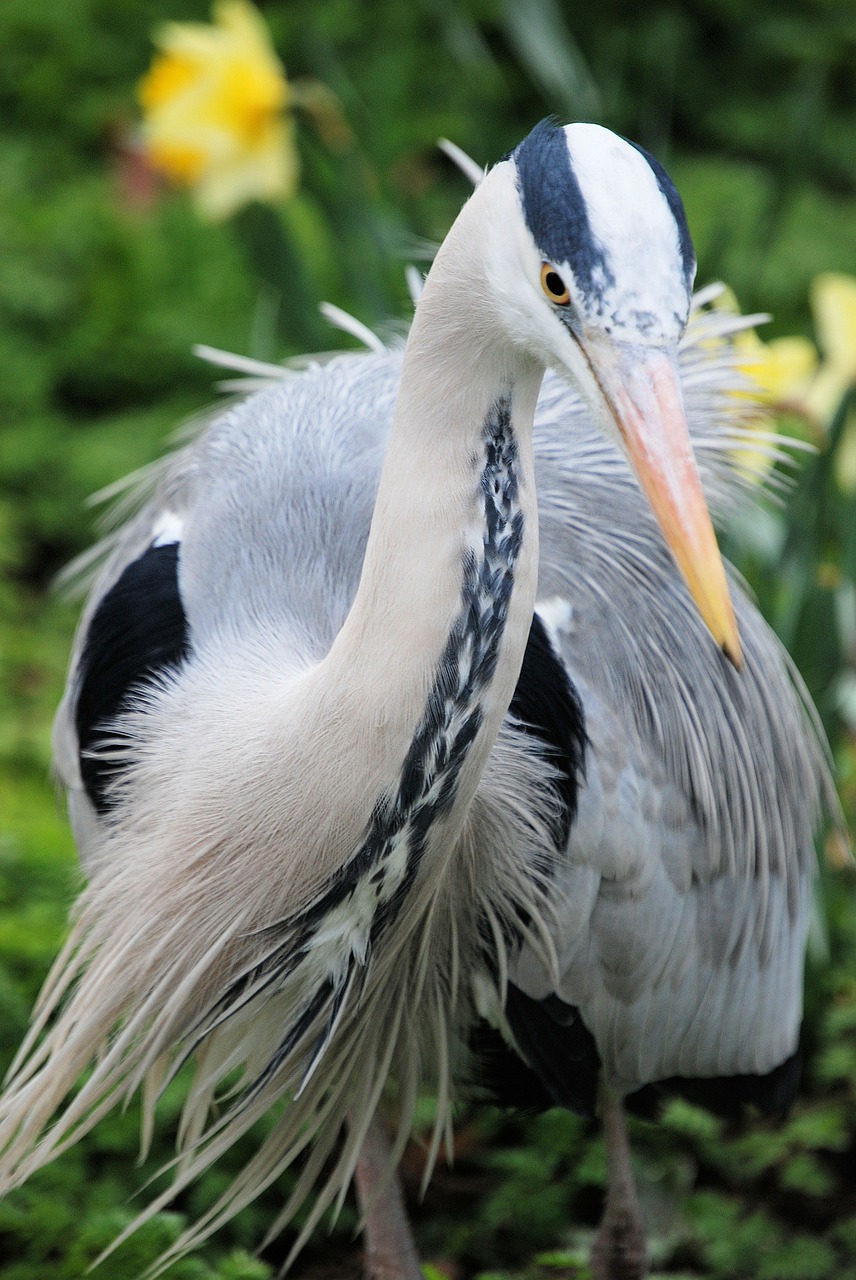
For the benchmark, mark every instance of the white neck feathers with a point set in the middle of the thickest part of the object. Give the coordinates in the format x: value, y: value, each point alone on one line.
x: 450, y: 570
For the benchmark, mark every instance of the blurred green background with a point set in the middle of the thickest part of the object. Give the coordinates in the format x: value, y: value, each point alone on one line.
x: 105, y: 284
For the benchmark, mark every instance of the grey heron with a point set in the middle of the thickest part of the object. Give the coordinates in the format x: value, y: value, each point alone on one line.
x: 355, y: 761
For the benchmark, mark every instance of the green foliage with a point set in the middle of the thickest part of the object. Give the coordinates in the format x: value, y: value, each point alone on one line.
x: 102, y: 295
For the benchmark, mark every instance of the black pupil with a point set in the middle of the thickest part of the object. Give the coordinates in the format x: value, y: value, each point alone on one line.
x: 554, y: 283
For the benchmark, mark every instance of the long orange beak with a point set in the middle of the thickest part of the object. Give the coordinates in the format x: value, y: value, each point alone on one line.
x: 642, y: 391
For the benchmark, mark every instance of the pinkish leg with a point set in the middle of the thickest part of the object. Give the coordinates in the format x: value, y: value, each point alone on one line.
x: 390, y: 1251
x: 619, y: 1251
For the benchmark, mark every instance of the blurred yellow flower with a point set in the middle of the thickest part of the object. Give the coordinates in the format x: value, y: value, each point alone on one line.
x: 833, y: 301
x: 789, y: 375
x: 215, y: 111
x: 776, y: 375
x: 788, y: 372
x: 782, y: 369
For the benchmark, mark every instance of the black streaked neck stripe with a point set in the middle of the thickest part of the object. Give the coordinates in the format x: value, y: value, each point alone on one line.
x: 453, y: 712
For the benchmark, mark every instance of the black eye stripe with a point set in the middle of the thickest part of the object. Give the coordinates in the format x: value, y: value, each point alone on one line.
x: 555, y: 209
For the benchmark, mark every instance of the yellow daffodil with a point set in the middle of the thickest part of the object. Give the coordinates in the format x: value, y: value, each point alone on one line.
x: 833, y: 302
x: 787, y: 370
x: 790, y: 377
x: 782, y: 369
x: 216, y: 111
x: 776, y: 375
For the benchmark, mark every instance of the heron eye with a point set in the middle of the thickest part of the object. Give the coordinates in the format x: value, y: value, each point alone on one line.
x: 554, y: 286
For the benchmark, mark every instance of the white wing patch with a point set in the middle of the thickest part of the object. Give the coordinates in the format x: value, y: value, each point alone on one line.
x: 167, y: 530
x: 557, y: 615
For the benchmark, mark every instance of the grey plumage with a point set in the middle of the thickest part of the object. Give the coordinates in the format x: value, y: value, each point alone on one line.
x: 675, y: 919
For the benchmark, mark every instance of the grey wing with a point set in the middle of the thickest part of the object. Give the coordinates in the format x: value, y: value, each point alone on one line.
x: 679, y: 967
x: 258, y: 525
x: 684, y: 894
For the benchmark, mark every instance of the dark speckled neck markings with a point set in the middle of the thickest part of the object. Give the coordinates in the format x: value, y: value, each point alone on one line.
x: 453, y: 712
x: 676, y: 204
x: 375, y: 880
x: 555, y: 209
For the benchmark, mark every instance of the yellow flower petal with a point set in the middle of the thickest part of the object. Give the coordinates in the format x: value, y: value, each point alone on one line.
x: 833, y: 300
x: 787, y: 372
x: 781, y: 369
x: 823, y: 398
x: 271, y: 171
x: 249, y: 99
x: 245, y: 24
x: 168, y: 76
x: 214, y: 104
x: 183, y: 163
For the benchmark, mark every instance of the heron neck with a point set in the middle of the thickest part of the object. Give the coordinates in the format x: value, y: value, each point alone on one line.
x: 434, y: 642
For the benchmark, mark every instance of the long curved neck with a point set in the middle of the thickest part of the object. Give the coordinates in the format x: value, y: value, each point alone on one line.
x: 434, y: 642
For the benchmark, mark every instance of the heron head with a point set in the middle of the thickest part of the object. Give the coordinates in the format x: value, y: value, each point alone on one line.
x: 597, y: 281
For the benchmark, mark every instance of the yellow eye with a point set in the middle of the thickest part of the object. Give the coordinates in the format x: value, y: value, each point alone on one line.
x: 554, y: 286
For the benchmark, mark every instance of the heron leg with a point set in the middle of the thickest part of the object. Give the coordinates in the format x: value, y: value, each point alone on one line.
x: 619, y: 1251
x: 390, y: 1250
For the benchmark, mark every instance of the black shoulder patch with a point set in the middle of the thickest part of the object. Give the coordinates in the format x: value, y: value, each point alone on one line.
x: 554, y: 207
x: 548, y: 708
x: 138, y: 629
x: 676, y: 204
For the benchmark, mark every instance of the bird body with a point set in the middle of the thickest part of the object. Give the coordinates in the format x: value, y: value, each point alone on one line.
x: 319, y: 844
